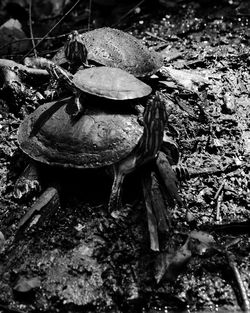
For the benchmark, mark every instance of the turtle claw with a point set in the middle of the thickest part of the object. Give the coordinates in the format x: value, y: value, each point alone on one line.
x: 28, y: 182
x: 74, y: 111
x: 182, y: 173
x: 25, y: 186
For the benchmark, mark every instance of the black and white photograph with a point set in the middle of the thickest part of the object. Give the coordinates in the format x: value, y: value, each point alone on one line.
x: 124, y: 156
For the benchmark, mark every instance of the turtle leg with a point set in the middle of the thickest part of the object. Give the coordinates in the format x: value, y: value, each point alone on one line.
x: 78, y: 104
x: 28, y: 182
x: 120, y: 170
x: 154, y: 119
x: 75, y: 109
x: 115, y: 196
x: 139, y: 110
x: 44, y: 206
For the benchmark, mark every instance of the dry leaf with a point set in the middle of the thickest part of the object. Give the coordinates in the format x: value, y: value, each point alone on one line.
x: 27, y: 284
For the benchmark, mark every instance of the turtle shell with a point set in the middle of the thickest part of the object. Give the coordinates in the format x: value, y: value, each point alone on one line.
x: 96, y: 139
x: 111, y: 83
x: 115, y: 48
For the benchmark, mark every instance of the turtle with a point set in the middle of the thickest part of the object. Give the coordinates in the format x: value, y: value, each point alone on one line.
x: 109, y: 47
x: 107, y: 82
x: 98, y: 139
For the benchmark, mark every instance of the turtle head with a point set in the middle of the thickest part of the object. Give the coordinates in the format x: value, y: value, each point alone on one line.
x: 75, y: 49
x: 154, y: 119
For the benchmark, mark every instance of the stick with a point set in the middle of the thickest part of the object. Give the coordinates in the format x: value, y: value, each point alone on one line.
x: 31, y: 30
x: 45, y: 36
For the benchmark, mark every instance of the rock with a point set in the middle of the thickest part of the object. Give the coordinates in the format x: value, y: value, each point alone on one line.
x: 10, y: 32
x: 229, y: 106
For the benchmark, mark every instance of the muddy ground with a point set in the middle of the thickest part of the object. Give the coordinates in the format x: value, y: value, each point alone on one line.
x: 83, y: 260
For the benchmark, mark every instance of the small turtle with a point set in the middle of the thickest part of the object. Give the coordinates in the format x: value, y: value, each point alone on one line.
x: 106, y: 82
x: 97, y: 139
x: 110, y: 47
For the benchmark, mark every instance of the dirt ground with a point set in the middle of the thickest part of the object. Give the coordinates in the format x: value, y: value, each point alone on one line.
x: 81, y: 259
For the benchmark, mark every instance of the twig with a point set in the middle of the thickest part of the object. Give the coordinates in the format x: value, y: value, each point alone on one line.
x: 61, y: 19
x: 229, y: 168
x: 31, y: 30
x: 245, y: 305
x: 234, y: 227
x: 89, y: 17
x: 218, y: 206
x: 218, y: 198
x: 156, y: 37
x: 219, y: 190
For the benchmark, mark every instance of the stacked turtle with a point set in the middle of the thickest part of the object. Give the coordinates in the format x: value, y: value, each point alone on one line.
x: 120, y: 58
x: 91, y: 129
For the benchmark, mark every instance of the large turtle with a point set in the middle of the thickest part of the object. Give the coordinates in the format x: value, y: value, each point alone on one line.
x: 110, y: 47
x: 97, y: 139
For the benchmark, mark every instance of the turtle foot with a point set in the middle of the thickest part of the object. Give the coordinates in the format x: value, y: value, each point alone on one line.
x: 28, y: 182
x: 75, y: 110
x: 182, y: 173
x: 114, y: 205
x: 25, y: 186
x: 115, y: 196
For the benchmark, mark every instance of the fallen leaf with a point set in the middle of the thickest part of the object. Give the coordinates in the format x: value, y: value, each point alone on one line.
x: 200, y: 242
x: 170, y: 265
x: 189, y: 80
x: 24, y: 284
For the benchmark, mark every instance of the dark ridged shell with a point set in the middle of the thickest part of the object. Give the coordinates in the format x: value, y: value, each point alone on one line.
x: 115, y: 48
x: 97, y: 139
x: 111, y: 83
